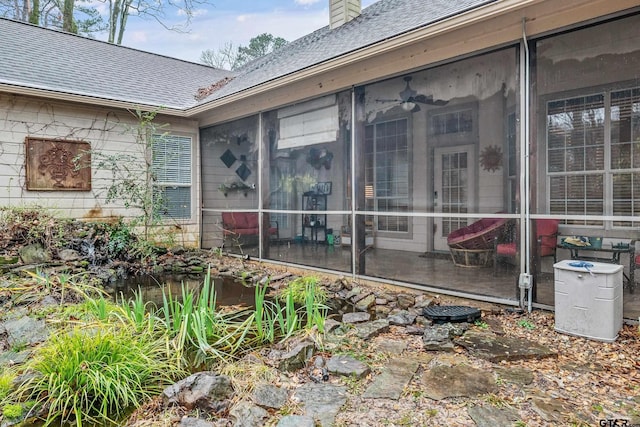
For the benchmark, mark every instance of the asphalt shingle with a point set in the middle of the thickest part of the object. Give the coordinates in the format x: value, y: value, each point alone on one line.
x: 47, y: 59
x: 380, y: 21
x: 35, y: 57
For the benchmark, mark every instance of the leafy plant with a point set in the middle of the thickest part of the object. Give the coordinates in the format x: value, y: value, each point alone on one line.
x: 133, y: 183
x: 12, y: 410
x: 93, y: 375
x: 526, y: 324
x: 496, y: 400
x: 6, y: 383
x: 281, y: 317
x: 300, y: 287
x: 33, y: 224
x: 198, y: 332
x: 481, y: 324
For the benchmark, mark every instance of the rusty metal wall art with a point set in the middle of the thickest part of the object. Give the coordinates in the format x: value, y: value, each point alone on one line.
x: 58, y: 165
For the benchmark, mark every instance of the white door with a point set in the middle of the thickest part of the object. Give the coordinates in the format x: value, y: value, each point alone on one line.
x: 454, y: 176
x: 283, y: 194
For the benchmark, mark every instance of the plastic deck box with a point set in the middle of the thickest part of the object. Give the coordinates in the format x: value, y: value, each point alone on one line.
x: 588, y: 299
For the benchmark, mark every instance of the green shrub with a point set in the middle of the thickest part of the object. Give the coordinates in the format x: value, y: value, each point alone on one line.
x: 12, y: 410
x: 6, y: 383
x: 299, y: 288
x: 93, y: 375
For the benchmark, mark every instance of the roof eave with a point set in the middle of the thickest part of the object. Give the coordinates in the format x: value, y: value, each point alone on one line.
x: 89, y: 99
x: 500, y: 9
x: 453, y: 23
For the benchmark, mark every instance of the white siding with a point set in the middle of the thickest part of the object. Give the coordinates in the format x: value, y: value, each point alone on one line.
x: 108, y: 131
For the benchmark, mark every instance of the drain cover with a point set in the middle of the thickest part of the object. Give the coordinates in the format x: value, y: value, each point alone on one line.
x: 451, y: 313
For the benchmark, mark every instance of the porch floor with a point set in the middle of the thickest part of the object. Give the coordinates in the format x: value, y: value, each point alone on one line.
x: 433, y: 270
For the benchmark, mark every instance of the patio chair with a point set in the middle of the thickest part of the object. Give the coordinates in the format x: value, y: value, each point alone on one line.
x: 472, y: 245
x: 546, y: 242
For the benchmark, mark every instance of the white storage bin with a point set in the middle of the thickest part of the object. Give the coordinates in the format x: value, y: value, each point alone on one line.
x: 588, y: 299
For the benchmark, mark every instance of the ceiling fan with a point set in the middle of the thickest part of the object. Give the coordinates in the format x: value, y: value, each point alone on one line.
x: 409, y: 99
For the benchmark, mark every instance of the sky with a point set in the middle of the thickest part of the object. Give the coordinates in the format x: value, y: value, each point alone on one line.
x: 224, y: 21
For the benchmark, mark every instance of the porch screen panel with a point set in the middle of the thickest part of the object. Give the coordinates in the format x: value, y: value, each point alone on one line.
x: 625, y: 155
x: 575, y: 157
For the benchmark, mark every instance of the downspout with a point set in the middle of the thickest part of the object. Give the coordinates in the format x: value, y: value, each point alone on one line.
x: 353, y: 180
x: 260, y: 188
x: 525, y: 282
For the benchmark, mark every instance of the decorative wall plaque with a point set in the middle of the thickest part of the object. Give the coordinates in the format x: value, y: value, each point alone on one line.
x: 58, y: 165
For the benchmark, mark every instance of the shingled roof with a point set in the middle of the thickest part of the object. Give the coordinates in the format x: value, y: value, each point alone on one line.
x: 38, y: 58
x: 378, y: 22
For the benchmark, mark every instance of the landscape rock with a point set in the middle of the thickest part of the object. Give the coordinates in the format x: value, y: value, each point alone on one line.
x: 515, y: 375
x: 68, y: 255
x: 321, y: 401
x: 391, y: 346
x: 269, y: 396
x: 206, y: 391
x: 414, y: 330
x: 356, y: 317
x: 195, y: 422
x: 401, y: 318
x: 366, y: 303
x: 382, y: 311
x: 24, y: 331
x: 423, y: 301
x: 348, y: 366
x: 436, y: 338
x: 296, y: 421
x: 405, y: 301
x: 294, y: 359
x: 246, y: 414
x: 441, y: 382
x: 496, y: 348
x: 491, y: 416
x: 370, y: 330
x: 553, y: 410
x: 392, y: 380
x: 330, y: 325
x: 33, y: 254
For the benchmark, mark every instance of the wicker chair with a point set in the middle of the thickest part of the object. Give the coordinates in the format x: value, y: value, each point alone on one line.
x: 473, y: 245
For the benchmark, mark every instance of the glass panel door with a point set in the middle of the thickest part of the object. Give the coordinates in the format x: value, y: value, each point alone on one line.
x: 453, y: 190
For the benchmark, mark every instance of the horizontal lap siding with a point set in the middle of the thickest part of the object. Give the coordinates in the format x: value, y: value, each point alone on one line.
x: 107, y: 131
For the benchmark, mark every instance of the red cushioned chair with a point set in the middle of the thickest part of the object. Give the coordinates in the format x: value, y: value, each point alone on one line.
x: 237, y: 224
x: 546, y: 238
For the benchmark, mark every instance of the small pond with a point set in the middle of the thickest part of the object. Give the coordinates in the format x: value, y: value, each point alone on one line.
x: 229, y: 291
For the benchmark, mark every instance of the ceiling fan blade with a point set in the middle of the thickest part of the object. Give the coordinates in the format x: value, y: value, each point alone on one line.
x: 424, y: 99
x: 415, y: 109
x: 440, y: 102
x: 389, y: 100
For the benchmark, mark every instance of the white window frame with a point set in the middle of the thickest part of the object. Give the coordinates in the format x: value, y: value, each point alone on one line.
x: 374, y: 179
x: 607, y: 172
x: 173, y: 172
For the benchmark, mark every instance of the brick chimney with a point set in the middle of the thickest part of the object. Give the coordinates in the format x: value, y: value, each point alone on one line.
x: 343, y: 11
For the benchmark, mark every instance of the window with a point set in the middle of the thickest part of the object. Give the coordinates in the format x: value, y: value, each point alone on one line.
x: 387, y: 171
x: 172, y: 173
x: 580, y: 140
x: 452, y: 122
x: 625, y: 154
